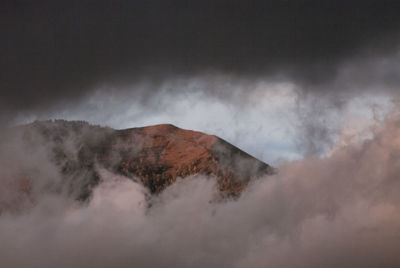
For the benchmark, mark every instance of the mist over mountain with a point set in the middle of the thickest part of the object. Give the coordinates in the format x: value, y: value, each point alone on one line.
x: 154, y: 156
x: 308, y: 86
x: 339, y: 210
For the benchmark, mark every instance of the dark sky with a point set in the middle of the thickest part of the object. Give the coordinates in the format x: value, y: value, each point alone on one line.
x: 59, y: 50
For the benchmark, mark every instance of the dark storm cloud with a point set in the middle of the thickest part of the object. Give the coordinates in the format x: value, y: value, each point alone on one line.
x: 56, y: 50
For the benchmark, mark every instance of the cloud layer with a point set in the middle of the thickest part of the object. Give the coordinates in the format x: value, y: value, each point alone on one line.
x: 339, y: 210
x: 60, y: 51
x: 161, y: 59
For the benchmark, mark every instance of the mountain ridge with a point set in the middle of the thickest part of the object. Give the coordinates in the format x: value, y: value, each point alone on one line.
x: 153, y: 155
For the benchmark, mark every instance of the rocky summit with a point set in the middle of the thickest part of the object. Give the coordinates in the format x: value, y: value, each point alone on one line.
x: 155, y: 155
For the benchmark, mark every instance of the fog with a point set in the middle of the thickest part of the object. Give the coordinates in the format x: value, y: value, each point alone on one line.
x: 341, y: 209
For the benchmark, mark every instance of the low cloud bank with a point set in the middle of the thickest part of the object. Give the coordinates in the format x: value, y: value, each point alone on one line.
x: 342, y: 210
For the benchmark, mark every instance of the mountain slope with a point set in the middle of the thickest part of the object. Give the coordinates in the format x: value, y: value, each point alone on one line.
x: 164, y: 152
x: 155, y: 155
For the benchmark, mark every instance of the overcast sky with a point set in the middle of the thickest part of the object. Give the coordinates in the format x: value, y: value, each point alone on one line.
x: 276, y: 78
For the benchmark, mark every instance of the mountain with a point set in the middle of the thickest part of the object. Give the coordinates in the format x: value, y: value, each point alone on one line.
x: 154, y: 155
x: 162, y: 153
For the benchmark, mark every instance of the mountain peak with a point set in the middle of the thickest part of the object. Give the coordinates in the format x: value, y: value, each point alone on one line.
x: 154, y: 155
x: 165, y: 152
